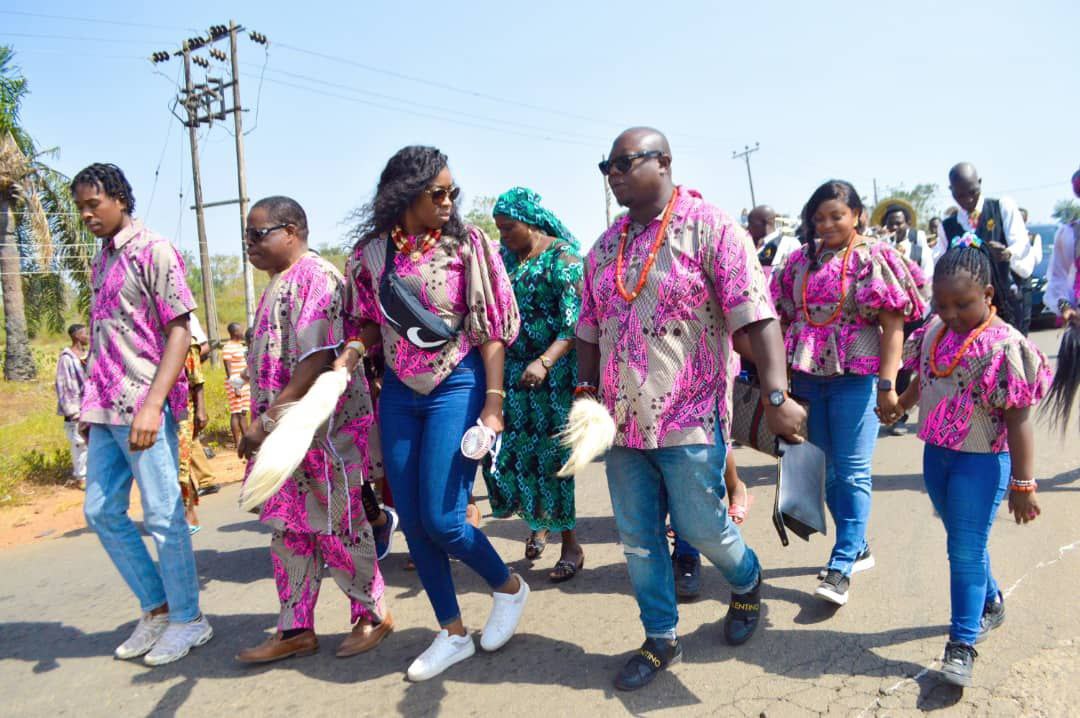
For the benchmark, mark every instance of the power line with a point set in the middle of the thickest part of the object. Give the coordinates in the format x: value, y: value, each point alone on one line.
x: 436, y: 108
x: 78, y: 38
x: 463, y: 91
x: 427, y: 115
x: 124, y: 23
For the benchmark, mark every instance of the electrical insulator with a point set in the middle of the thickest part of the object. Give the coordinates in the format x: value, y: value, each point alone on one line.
x: 159, y: 57
x: 218, y: 31
x: 258, y: 37
x: 218, y: 55
x: 201, y: 62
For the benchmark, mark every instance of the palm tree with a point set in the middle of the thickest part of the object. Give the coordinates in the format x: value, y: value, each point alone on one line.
x: 35, y: 208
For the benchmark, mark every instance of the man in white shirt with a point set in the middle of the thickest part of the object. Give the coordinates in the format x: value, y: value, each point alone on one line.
x: 897, y: 217
x: 772, y: 244
x: 997, y: 222
x: 1061, y: 286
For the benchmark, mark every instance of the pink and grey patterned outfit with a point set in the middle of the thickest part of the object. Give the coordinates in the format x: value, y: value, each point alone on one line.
x: 318, y: 514
x: 965, y: 411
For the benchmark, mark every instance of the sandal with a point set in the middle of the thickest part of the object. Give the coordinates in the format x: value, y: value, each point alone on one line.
x: 534, y: 547
x: 565, y: 570
x: 737, y: 512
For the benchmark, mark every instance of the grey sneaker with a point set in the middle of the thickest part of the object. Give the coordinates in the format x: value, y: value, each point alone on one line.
x: 958, y: 663
x: 177, y: 640
x: 863, y: 562
x: 834, y: 588
x: 147, y: 632
x: 993, y: 615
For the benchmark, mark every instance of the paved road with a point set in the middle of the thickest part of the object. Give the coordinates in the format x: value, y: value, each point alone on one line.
x: 63, y: 609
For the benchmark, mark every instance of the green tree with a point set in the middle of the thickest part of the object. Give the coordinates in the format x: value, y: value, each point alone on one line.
x: 923, y: 197
x: 480, y: 215
x: 40, y: 232
x: 1067, y: 210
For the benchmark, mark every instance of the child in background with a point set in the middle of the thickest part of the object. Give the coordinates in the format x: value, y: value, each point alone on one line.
x: 976, y: 379
x: 237, y: 388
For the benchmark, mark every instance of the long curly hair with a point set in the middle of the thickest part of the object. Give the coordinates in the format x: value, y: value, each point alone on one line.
x: 407, y: 174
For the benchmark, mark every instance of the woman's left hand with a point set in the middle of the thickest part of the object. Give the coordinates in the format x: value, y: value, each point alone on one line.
x: 491, y: 415
x: 888, y: 406
x: 534, y: 375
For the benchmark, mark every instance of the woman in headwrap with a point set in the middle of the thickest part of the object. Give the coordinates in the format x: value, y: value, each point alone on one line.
x: 544, y: 263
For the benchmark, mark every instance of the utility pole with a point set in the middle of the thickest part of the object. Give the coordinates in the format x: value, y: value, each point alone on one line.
x: 241, y: 178
x: 875, y: 192
x: 745, y: 154
x: 209, y: 302
x: 205, y: 102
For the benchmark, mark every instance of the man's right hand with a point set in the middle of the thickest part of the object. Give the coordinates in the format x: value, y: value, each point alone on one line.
x: 786, y: 420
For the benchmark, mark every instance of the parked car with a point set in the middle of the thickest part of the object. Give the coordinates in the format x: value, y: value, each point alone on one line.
x: 1040, y: 313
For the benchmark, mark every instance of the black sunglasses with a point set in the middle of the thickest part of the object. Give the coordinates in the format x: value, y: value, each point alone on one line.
x: 622, y: 164
x: 439, y: 194
x: 260, y: 234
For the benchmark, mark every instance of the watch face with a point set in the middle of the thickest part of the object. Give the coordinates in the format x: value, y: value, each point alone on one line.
x: 776, y: 398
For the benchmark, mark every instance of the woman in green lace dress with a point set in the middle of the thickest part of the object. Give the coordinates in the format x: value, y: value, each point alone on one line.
x: 544, y: 263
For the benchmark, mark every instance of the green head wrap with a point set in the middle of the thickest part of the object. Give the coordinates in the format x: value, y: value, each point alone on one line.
x: 523, y: 204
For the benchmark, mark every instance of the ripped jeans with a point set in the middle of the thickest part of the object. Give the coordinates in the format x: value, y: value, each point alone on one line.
x: 688, y: 483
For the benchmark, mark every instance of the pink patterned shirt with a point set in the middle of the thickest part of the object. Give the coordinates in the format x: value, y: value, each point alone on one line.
x: 665, y: 358
x: 138, y: 288
x: 463, y: 282
x: 302, y: 311
x: 878, y: 279
x: 966, y: 410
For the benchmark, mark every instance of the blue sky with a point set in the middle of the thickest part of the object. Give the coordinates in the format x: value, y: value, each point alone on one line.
x: 534, y: 93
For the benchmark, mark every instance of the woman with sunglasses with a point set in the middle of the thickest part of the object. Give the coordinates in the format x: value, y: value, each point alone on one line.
x: 445, y: 279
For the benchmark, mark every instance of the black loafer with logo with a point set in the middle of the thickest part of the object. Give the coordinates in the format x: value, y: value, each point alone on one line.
x: 655, y: 655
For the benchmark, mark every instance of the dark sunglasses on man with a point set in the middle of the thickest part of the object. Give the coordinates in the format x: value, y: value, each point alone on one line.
x: 257, y: 235
x: 439, y: 194
x: 621, y: 165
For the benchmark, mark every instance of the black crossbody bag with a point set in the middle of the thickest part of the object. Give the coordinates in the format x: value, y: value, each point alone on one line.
x: 404, y: 311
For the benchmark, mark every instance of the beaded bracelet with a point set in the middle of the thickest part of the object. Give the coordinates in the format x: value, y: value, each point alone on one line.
x: 1022, y: 485
x: 585, y: 388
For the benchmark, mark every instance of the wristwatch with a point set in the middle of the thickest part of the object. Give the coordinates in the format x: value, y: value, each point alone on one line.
x: 545, y: 362
x: 884, y: 385
x: 268, y: 424
x: 776, y: 398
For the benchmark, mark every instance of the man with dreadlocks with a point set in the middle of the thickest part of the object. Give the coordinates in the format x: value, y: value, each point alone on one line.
x: 136, y: 392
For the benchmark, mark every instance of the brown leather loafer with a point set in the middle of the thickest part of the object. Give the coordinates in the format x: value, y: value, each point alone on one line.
x: 276, y: 648
x: 364, y: 637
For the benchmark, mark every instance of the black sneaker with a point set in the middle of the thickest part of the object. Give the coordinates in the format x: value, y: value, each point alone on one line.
x: 655, y: 655
x: 743, y: 615
x: 863, y: 562
x: 958, y: 663
x: 687, y: 571
x: 834, y: 588
x: 993, y: 615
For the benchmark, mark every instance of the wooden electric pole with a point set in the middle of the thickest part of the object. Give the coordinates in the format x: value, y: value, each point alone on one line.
x: 607, y: 199
x: 745, y: 154
x: 209, y: 302
x: 241, y: 178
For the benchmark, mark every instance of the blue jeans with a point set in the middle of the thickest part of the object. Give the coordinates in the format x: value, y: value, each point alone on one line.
x: 431, y: 479
x: 688, y: 483
x: 111, y: 466
x: 966, y: 490
x: 843, y: 424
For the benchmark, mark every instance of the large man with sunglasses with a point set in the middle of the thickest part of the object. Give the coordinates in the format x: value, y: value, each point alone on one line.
x: 665, y: 289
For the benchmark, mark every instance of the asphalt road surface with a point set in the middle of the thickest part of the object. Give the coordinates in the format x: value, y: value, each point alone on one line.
x: 63, y: 608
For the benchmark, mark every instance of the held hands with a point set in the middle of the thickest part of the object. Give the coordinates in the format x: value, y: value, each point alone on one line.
x: 145, y: 427
x: 1023, y: 506
x: 889, y: 409
x: 1071, y: 316
x: 534, y: 375
x: 786, y: 420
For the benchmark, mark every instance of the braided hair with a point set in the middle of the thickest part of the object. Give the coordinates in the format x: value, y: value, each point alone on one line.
x: 833, y: 189
x: 965, y: 258
x: 109, y: 179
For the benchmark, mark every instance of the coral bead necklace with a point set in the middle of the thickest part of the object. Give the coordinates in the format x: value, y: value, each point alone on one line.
x: 661, y: 235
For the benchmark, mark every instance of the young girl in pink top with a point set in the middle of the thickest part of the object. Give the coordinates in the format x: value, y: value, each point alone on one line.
x: 976, y: 379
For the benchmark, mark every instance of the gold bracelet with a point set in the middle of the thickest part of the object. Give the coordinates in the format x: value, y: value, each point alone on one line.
x: 500, y: 392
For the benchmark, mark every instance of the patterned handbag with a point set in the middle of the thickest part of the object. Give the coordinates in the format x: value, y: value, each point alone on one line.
x: 748, y: 425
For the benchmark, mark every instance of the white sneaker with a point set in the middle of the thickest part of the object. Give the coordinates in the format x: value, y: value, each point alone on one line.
x: 444, y: 651
x: 505, y: 614
x: 147, y: 631
x: 178, y: 639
